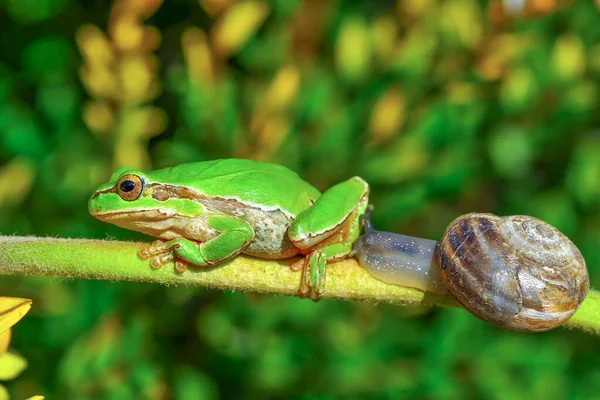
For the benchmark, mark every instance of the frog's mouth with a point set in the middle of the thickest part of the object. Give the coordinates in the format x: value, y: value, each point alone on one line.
x: 154, y: 222
x: 157, y: 214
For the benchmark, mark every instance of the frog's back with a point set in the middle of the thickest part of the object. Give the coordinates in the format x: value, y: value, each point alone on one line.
x: 248, y: 181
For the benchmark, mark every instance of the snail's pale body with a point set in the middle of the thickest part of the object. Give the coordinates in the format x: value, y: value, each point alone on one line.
x: 381, y: 253
x: 515, y: 272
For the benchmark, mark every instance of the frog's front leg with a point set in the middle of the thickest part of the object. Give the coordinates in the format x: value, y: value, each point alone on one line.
x: 233, y: 236
x: 327, y: 231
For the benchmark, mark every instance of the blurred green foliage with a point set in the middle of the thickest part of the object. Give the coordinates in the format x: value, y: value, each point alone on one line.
x: 444, y: 107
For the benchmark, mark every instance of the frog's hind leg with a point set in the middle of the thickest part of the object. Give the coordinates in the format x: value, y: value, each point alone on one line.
x: 234, y: 235
x: 327, y: 231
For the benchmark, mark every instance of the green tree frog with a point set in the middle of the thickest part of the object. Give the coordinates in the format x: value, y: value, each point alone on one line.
x: 206, y: 213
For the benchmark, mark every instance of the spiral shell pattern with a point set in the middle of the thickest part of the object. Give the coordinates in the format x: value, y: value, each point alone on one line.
x: 515, y: 272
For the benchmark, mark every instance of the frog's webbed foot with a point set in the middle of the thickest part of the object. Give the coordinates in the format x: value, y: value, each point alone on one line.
x: 151, y: 250
x: 160, y: 255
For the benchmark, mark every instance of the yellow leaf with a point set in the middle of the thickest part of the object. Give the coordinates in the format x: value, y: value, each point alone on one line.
x: 138, y: 78
x: 284, y: 88
x: 410, y: 156
x: 11, y: 365
x: 4, y: 393
x: 198, y: 56
x: 352, y: 52
x: 98, y: 116
x: 99, y: 81
x: 453, y: 25
x: 36, y: 397
x: 215, y: 7
x: 94, y: 45
x: 518, y: 86
x: 131, y: 152
x: 12, y: 309
x: 151, y: 40
x: 271, y: 135
x: 16, y: 180
x: 5, y: 341
x: 145, y: 7
x: 388, y: 115
x: 540, y: 7
x: 416, y: 50
x: 501, y: 51
x: 237, y: 25
x: 415, y: 8
x: 383, y: 38
x: 127, y: 33
x: 569, y: 57
x: 143, y: 122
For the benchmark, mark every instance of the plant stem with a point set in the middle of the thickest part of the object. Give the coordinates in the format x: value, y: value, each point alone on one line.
x: 118, y: 261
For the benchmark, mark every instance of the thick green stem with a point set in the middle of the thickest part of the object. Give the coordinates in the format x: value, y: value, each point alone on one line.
x: 118, y: 261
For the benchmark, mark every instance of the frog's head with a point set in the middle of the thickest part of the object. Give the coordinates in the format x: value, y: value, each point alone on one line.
x: 126, y: 201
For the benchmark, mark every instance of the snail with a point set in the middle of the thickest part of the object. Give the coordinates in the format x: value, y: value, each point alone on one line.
x: 514, y: 272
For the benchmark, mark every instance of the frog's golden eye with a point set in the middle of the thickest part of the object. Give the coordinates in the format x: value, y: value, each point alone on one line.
x: 130, y: 187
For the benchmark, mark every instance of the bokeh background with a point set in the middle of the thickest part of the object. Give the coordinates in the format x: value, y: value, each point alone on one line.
x: 444, y: 107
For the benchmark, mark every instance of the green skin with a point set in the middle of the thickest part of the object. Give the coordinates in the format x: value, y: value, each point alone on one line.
x: 208, y: 212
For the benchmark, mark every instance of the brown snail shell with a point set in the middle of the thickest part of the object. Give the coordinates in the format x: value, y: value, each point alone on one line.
x: 515, y: 272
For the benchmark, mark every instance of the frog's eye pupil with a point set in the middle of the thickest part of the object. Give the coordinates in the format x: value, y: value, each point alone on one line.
x: 130, y: 187
x: 127, y: 186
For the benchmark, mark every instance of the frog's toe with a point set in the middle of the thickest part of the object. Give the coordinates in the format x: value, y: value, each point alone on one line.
x: 143, y: 253
x: 298, y: 265
x: 152, y: 249
x: 158, y: 261
x: 180, y: 266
